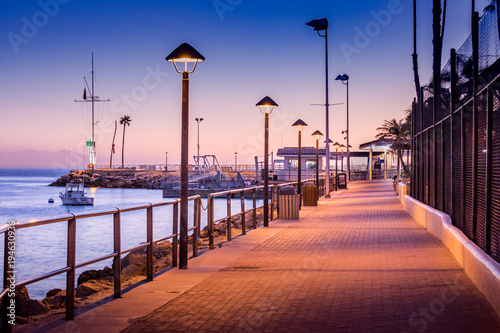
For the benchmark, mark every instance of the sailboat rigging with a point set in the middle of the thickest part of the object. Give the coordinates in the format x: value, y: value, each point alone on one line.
x: 92, y: 100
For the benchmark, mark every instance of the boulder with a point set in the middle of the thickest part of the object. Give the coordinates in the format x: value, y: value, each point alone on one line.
x: 92, y: 287
x: 162, y: 249
x: 32, y: 307
x: 137, y: 257
x: 127, y: 184
x: 53, y: 292
x: 22, y: 294
x: 236, y: 221
x: 56, y: 301
x: 93, y: 274
x: 116, y: 183
x: 133, y: 270
x: 220, y: 228
x: 204, y: 234
x: 162, y: 263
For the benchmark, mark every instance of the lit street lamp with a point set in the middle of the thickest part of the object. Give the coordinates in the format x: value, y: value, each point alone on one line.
x: 166, y: 161
x: 266, y: 106
x: 320, y: 25
x: 345, y: 80
x: 198, y: 120
x: 318, y: 135
x: 235, y: 161
x: 187, y: 55
x: 299, y: 126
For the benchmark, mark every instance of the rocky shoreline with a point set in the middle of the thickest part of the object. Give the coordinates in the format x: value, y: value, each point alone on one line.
x: 120, y: 178
x: 128, y: 178
x: 94, y: 285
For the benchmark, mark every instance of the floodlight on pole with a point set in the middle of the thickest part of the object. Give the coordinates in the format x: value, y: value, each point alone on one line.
x: 345, y: 80
x: 189, y: 56
x: 322, y: 25
x: 198, y: 120
x: 266, y: 106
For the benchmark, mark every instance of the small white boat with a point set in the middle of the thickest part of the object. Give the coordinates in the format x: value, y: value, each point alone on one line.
x: 75, y: 194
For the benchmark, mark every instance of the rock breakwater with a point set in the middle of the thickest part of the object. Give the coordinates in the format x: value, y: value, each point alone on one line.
x: 120, y: 178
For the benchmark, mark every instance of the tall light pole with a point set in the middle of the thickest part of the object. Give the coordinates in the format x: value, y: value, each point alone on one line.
x: 266, y: 106
x: 198, y: 120
x: 235, y: 161
x: 345, y: 80
x: 342, y: 158
x: 299, y: 126
x: 318, y: 135
x: 187, y: 55
x: 166, y: 161
x: 320, y: 25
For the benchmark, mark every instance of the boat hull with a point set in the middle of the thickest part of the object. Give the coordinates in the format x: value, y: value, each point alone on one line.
x: 86, y: 201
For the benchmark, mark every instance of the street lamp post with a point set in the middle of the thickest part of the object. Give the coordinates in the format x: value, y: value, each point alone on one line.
x: 327, y: 148
x: 266, y: 106
x: 318, y: 134
x: 336, y: 145
x: 345, y: 80
x: 187, y: 55
x: 299, y: 126
x: 320, y: 25
x: 198, y: 120
x: 235, y: 161
x: 166, y: 161
x: 342, y: 158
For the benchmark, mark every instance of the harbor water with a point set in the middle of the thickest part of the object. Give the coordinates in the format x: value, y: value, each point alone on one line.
x: 24, y: 195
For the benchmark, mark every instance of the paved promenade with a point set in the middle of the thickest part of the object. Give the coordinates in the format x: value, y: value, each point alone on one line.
x: 356, y: 263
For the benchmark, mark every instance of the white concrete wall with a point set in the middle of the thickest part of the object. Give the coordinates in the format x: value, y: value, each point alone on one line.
x: 482, y: 270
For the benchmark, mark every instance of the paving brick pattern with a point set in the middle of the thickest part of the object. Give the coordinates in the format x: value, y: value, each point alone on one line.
x: 356, y: 263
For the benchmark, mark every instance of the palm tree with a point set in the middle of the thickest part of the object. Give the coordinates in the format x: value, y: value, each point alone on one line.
x: 416, y: 77
x: 438, y: 24
x: 125, y: 120
x: 399, y: 131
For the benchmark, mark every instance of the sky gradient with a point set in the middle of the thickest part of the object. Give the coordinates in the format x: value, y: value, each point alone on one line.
x: 252, y: 49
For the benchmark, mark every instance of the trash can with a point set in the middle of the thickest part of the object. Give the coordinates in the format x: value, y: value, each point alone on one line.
x: 288, y: 203
x: 309, y: 194
x: 342, y: 180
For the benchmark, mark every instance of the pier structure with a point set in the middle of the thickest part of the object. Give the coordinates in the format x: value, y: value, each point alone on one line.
x: 357, y: 262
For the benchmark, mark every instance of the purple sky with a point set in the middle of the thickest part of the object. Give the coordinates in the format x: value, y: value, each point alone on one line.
x: 252, y: 49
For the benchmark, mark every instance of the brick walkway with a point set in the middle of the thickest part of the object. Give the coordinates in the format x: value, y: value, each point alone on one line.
x: 356, y: 263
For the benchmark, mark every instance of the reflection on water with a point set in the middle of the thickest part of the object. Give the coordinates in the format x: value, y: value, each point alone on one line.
x: 24, y: 196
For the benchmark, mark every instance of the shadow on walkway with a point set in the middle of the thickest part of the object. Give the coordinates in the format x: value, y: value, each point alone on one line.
x: 355, y: 263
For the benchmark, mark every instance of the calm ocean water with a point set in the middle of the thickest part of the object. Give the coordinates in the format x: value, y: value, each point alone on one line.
x: 24, y: 196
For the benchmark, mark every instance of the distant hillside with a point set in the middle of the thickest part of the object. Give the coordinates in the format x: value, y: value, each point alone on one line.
x: 36, y: 159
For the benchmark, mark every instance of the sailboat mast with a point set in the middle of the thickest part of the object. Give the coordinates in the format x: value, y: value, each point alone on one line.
x: 93, y: 122
x: 93, y: 99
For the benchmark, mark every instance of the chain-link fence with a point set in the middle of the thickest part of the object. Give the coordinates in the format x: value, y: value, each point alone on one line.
x: 456, y: 139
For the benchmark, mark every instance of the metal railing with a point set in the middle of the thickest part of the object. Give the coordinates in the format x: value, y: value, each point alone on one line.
x: 72, y: 265
x: 71, y: 220
x: 250, y: 191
